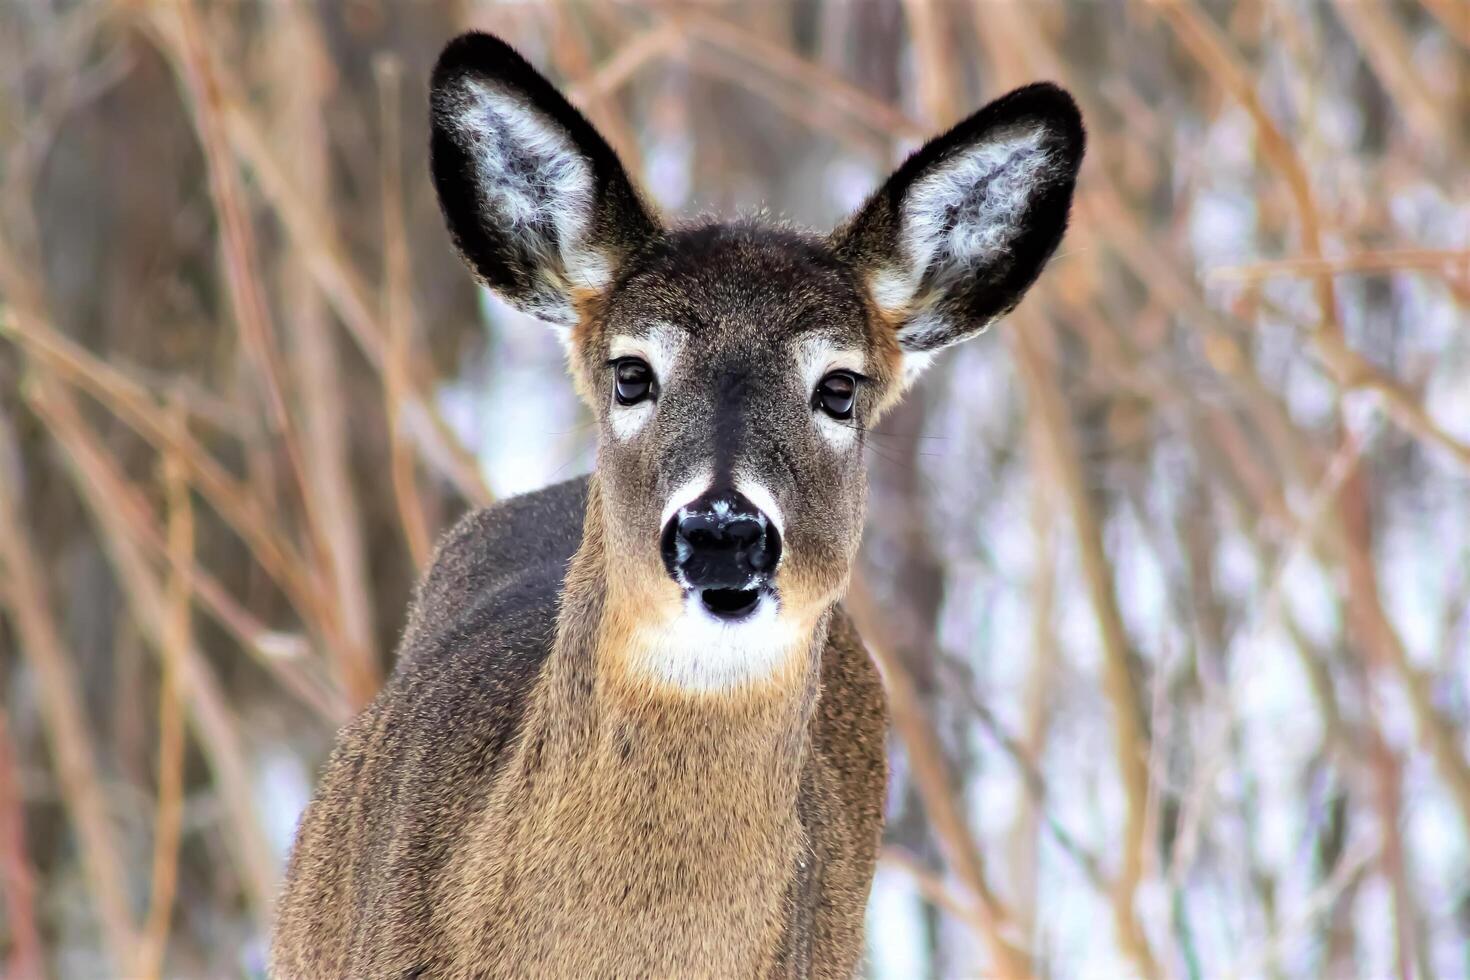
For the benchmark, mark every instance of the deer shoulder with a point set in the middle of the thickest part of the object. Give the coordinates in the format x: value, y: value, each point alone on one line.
x: 404, y: 772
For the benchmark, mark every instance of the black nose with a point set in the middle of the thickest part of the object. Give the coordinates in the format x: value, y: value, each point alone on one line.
x: 721, y: 541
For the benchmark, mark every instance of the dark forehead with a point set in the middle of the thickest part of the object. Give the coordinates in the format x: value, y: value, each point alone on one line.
x: 743, y: 278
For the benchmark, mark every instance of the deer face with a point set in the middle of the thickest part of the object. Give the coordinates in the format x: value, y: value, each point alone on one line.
x: 734, y: 369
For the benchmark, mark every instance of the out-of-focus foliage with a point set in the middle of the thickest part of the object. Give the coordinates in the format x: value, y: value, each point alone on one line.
x: 1169, y: 574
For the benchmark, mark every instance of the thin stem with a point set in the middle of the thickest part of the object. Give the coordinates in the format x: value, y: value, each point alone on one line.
x: 168, y: 815
x: 74, y: 757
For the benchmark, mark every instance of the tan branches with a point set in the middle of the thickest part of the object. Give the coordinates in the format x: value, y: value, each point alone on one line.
x: 168, y: 815
x: 398, y: 315
x: 17, y: 876
x: 214, y: 724
x: 937, y: 788
x: 30, y: 610
x: 1449, y: 263
x: 1212, y: 49
x: 1130, y: 740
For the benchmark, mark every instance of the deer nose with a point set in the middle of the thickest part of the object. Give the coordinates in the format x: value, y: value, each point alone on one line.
x: 721, y: 541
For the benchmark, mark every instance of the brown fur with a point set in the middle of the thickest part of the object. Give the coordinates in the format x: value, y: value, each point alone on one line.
x: 614, y: 832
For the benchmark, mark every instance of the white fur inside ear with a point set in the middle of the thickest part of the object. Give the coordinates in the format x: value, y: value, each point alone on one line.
x: 925, y: 332
x: 538, y: 188
x: 915, y: 363
x: 962, y: 215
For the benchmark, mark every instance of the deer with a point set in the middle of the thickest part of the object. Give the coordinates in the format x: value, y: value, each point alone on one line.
x: 631, y: 730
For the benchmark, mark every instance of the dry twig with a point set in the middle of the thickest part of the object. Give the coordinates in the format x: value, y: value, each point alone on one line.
x: 168, y: 817
x: 74, y: 757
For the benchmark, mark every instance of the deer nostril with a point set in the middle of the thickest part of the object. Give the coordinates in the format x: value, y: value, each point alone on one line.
x: 700, y: 531
x: 746, y: 532
x: 766, y: 550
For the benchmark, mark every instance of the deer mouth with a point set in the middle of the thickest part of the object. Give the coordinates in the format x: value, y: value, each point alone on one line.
x: 730, y: 605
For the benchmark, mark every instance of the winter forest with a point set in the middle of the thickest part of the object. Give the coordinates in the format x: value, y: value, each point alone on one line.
x: 1168, y: 575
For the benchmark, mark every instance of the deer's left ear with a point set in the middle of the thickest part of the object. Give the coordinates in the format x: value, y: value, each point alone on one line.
x: 536, y: 200
x: 962, y: 229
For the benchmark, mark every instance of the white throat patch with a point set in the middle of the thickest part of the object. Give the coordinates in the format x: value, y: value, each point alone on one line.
x: 698, y: 653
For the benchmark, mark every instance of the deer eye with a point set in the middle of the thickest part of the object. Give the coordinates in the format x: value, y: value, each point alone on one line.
x: 633, y: 380
x: 835, y: 393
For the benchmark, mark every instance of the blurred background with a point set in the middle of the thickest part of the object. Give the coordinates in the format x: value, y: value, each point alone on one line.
x: 1169, y: 575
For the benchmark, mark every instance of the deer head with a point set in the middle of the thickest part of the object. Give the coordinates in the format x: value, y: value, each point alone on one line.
x: 734, y: 368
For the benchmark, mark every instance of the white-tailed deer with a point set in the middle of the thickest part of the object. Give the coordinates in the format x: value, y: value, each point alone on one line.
x: 631, y: 731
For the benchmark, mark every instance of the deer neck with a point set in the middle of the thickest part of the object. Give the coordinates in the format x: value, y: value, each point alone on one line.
x: 622, y: 798
x: 685, y: 752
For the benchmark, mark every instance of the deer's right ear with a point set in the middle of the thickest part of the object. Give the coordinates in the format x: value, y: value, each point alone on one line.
x: 537, y: 202
x: 952, y: 241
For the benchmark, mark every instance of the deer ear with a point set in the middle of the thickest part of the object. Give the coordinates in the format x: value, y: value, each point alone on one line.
x: 537, y: 202
x: 952, y: 241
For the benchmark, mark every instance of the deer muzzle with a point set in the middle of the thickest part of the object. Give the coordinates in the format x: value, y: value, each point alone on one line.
x: 726, y: 549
